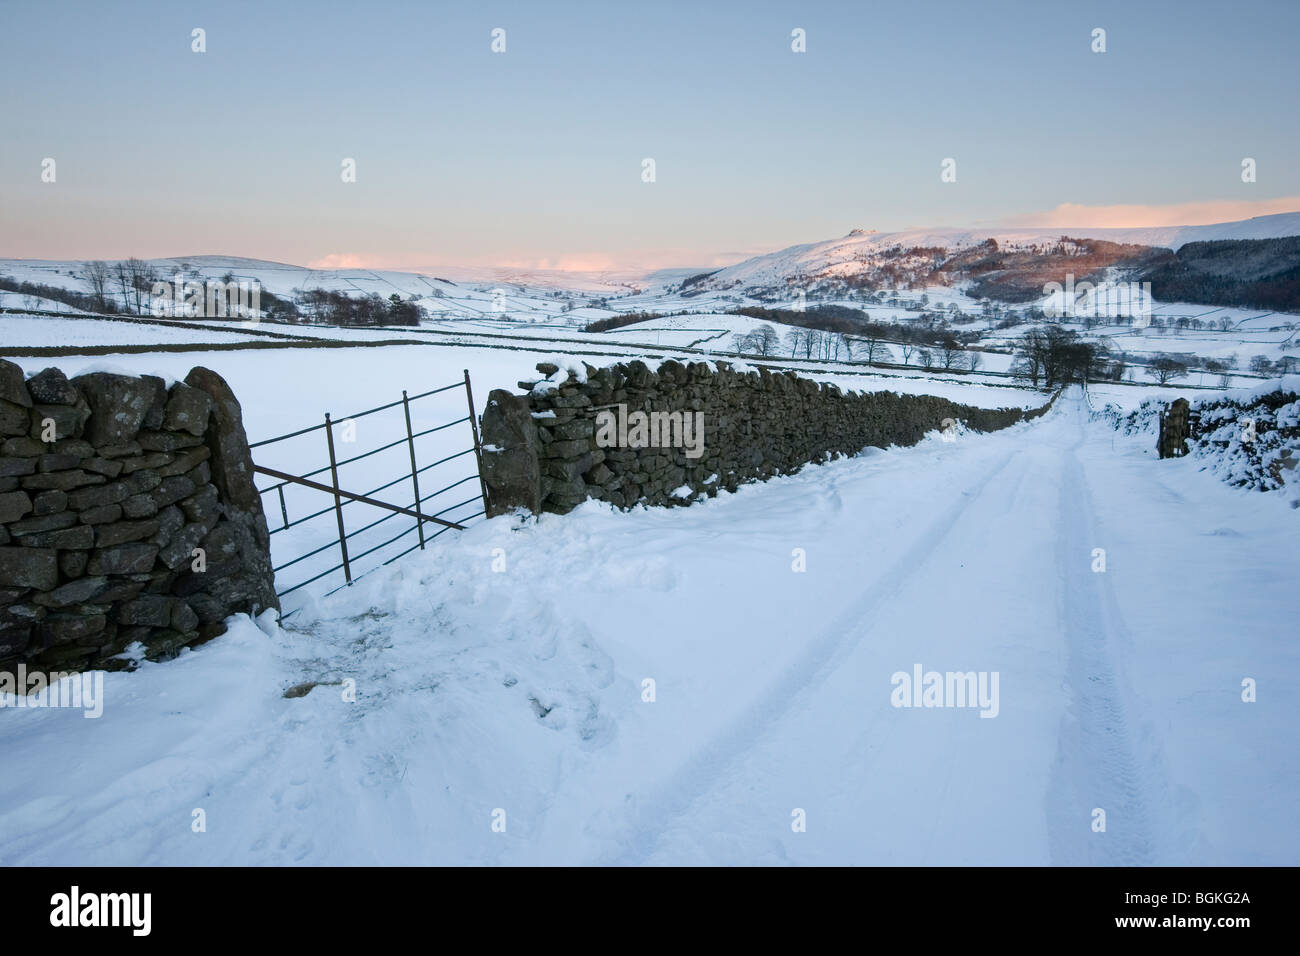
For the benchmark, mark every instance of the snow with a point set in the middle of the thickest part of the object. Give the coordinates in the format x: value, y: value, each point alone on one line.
x: 525, y: 690
x: 21, y: 331
x: 549, y: 310
x: 21, y: 301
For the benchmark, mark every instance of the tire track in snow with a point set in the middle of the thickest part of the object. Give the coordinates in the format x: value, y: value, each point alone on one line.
x: 1095, y: 765
x: 687, y: 784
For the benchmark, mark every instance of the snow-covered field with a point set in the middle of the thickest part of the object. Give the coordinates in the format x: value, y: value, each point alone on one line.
x: 479, y: 306
x: 21, y: 331
x: 520, y: 696
x: 517, y: 692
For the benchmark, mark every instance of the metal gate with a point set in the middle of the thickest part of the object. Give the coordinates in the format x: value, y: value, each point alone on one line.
x: 304, y: 535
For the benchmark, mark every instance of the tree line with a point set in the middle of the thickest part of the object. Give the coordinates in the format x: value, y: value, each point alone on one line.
x: 338, y: 308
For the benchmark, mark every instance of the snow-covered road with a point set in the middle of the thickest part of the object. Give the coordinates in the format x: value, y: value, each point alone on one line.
x: 519, y: 695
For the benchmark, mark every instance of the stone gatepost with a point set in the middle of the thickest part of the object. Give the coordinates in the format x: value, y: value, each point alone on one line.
x: 1174, y: 430
x: 510, y: 466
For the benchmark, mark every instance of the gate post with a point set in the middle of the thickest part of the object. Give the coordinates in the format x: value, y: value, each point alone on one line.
x: 338, y: 502
x: 415, y: 478
x: 478, y: 453
x: 1173, y: 430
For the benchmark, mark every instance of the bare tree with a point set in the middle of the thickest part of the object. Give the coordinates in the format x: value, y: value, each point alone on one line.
x: 949, y: 351
x: 873, y: 346
x: 98, y: 275
x: 1167, y: 367
x: 973, y: 360
x: 123, y: 278
x: 812, y: 343
x: 926, y: 357
x: 761, y: 341
x: 908, y: 351
x: 141, y: 276
x: 1031, y: 353
x: 794, y: 339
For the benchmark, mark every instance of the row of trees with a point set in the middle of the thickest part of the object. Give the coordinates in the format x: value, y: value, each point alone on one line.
x: 126, y: 287
x: 1047, y: 357
x: 801, y: 343
x: 1050, y: 357
x: 824, y: 318
x: 612, y: 322
x: 34, y: 291
x: 338, y: 308
x: 114, y: 288
x: 813, y: 343
x: 1286, y: 365
x: 871, y: 347
x: 131, y: 278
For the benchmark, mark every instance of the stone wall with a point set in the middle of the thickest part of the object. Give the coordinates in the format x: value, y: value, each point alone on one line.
x: 127, y: 514
x: 541, y: 451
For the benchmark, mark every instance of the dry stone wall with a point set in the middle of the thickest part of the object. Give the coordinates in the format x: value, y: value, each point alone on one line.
x: 544, y: 451
x: 127, y: 514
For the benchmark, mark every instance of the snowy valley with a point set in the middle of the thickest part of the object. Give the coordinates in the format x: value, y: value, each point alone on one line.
x: 725, y: 683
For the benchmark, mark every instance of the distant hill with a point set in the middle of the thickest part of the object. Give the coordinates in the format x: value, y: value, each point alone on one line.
x: 1013, y: 265
x: 1253, y: 263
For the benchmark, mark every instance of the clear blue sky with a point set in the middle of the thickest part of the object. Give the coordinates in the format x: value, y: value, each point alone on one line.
x: 534, y: 156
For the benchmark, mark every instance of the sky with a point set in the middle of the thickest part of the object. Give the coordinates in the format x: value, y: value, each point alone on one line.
x: 534, y: 157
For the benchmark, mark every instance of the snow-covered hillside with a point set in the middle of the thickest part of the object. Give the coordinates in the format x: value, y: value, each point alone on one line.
x: 524, y: 296
x: 844, y: 255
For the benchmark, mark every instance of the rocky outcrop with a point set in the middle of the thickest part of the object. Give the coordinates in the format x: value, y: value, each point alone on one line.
x: 127, y: 514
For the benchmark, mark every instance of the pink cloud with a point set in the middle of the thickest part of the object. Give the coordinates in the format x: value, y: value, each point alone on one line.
x: 343, y: 260
x: 578, y: 263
